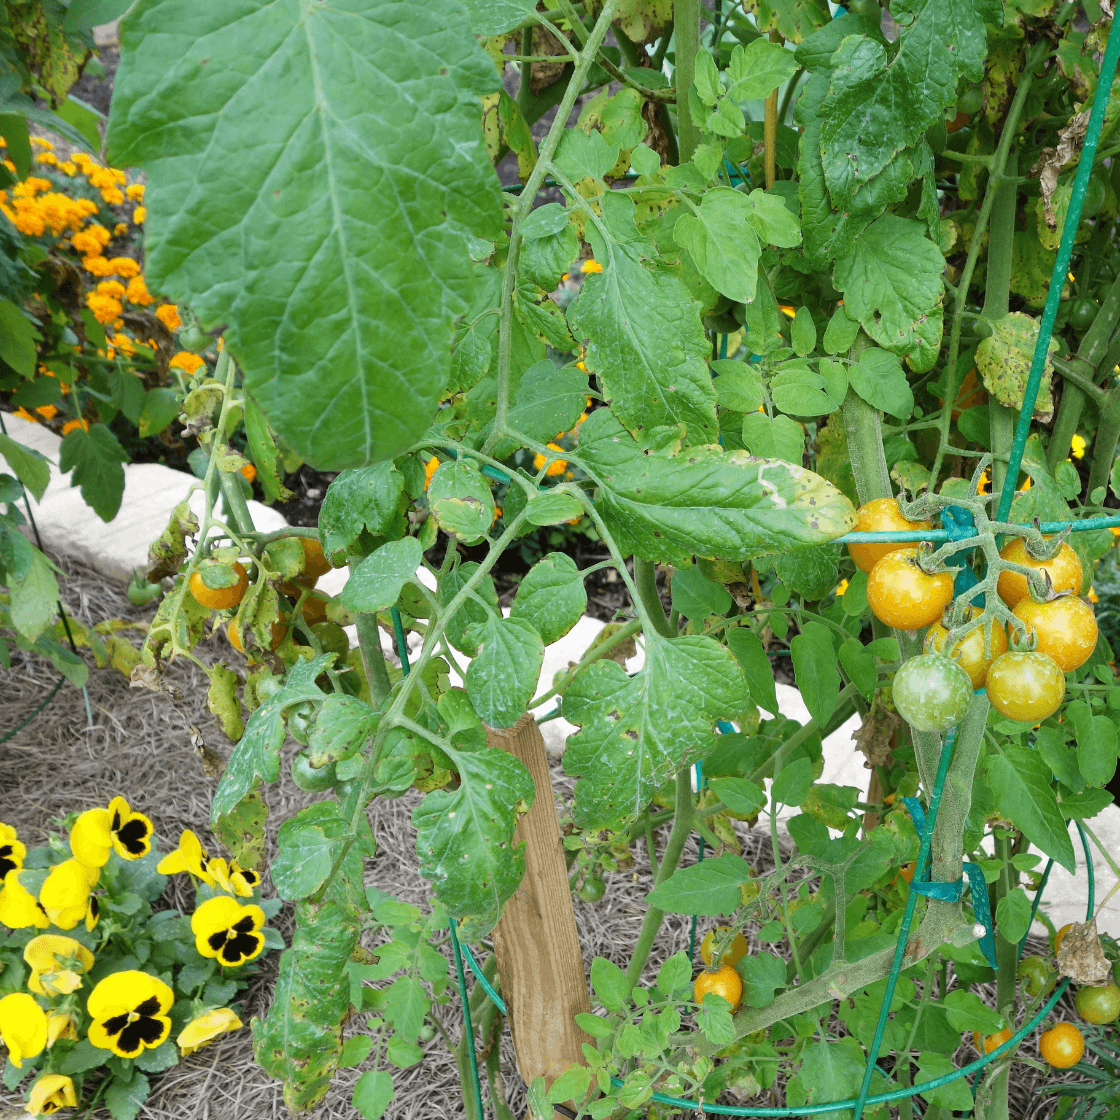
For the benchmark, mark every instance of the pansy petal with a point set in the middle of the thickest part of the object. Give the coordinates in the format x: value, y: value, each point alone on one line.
x: 91, y: 842
x: 23, y: 1027
x: 18, y: 907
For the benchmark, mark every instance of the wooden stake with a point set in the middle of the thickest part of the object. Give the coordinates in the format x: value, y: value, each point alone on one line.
x: 539, y: 959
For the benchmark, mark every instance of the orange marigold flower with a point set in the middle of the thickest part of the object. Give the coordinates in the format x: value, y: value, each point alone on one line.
x: 249, y: 472
x: 113, y: 288
x: 135, y: 191
x: 139, y: 214
x: 23, y: 414
x: 105, y: 308
x: 430, y: 468
x: 39, y: 142
x: 591, y: 266
x: 556, y: 467
x: 120, y: 228
x: 168, y: 315
x: 71, y: 425
x: 47, y: 411
x: 99, y: 266
x: 138, y: 292
x: 126, y: 267
x: 113, y: 196
x: 186, y: 361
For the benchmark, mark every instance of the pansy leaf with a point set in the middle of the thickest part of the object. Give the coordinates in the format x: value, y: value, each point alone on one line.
x: 666, y: 503
x: 464, y: 838
x: 335, y: 101
x: 551, y: 597
x: 125, y: 1099
x: 636, y: 732
x: 237, y: 812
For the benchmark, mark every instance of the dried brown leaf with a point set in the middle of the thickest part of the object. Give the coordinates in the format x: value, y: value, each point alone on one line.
x: 1080, y: 956
x: 1052, y: 160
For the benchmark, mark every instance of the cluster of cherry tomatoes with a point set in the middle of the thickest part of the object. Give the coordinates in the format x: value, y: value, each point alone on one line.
x: 222, y: 587
x: 933, y: 691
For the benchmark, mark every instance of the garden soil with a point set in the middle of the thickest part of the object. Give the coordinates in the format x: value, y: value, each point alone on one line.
x: 135, y: 743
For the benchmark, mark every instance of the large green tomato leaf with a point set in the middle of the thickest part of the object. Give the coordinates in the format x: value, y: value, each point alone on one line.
x: 94, y: 457
x: 875, y: 109
x: 710, y: 888
x: 299, y: 1041
x: 375, y: 584
x: 465, y: 838
x: 892, y: 284
x: 830, y: 1071
x: 668, y: 504
x: 636, y: 732
x: 1024, y: 793
x: 643, y: 332
x: 314, y: 178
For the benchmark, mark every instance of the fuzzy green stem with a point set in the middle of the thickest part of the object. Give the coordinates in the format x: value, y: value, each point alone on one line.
x: 685, y: 807
x: 997, y: 292
x: 999, y: 159
x: 1104, y: 442
x: 377, y: 673
x: 645, y: 580
x: 686, y: 30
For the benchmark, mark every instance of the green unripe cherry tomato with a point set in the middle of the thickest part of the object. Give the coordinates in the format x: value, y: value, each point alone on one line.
x: 331, y: 637
x: 931, y: 692
x: 310, y: 778
x: 1098, y: 1005
x: 592, y: 890
x: 192, y: 338
x: 1082, y: 313
x: 300, y: 722
x: 426, y: 1033
x: 1033, y: 972
x: 970, y: 101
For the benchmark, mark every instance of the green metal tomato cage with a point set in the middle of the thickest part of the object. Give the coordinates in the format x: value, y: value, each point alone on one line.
x: 919, y: 885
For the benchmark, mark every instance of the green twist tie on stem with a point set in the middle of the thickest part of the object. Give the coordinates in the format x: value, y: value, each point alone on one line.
x: 1061, y: 266
x: 954, y: 891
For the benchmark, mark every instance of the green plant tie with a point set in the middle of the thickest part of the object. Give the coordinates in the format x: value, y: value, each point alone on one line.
x: 947, y: 745
x: 953, y: 892
x: 1061, y: 267
x: 468, y: 1026
x: 480, y: 976
x: 402, y: 645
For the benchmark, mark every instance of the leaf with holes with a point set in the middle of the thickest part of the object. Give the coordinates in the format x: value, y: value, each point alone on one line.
x: 551, y: 597
x: 461, y: 500
x: 636, y: 732
x: 666, y: 503
x: 501, y: 679
x: 465, y: 838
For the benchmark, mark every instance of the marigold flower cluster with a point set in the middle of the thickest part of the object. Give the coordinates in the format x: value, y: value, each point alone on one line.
x: 127, y: 1012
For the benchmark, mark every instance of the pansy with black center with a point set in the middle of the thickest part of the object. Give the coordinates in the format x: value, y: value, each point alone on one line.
x: 12, y: 852
x: 227, y: 931
x: 97, y: 833
x: 129, y: 1013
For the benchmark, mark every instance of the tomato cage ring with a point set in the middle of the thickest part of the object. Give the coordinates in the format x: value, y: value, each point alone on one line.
x: 462, y: 950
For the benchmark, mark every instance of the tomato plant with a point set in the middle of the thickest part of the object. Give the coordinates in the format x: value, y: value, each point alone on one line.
x: 766, y: 279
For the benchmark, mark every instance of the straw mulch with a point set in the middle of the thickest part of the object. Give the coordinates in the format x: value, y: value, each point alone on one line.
x: 134, y: 742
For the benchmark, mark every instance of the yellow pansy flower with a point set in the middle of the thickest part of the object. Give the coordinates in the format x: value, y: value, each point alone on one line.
x: 65, y: 893
x: 50, y: 1093
x: 60, y: 1024
x: 203, y: 1029
x: 19, y: 908
x: 189, y: 856
x: 233, y: 879
x: 97, y: 832
x: 23, y: 1027
x: 57, y: 964
x: 227, y: 931
x: 129, y: 1013
x: 12, y: 852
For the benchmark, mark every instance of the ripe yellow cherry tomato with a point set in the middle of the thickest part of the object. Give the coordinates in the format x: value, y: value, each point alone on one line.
x: 219, y: 598
x: 1026, y: 687
x: 971, y: 652
x: 233, y: 632
x: 1066, y: 628
x: 734, y: 952
x: 991, y: 1041
x: 725, y: 981
x: 902, y: 595
x: 1065, y: 571
x: 880, y: 516
x: 1062, y: 1046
